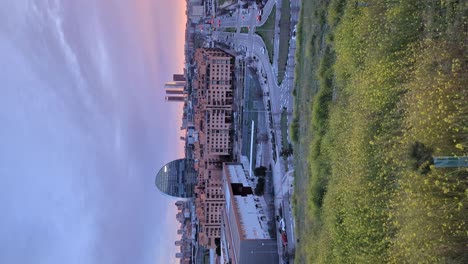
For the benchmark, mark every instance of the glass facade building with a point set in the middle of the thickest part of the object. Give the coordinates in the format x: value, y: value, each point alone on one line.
x: 177, y: 178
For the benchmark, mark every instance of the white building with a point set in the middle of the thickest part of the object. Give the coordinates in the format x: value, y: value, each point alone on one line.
x: 244, y: 230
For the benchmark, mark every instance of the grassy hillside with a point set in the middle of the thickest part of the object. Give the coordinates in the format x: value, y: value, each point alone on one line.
x: 381, y: 86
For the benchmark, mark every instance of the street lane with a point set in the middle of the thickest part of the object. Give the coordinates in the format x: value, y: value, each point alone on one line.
x: 279, y: 95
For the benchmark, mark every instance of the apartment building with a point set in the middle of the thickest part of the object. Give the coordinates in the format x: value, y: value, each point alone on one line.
x: 213, y: 122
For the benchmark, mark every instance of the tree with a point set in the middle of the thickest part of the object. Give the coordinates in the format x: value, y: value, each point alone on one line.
x: 218, y: 246
x: 422, y: 156
x: 286, y: 152
x: 260, y: 171
x: 260, y: 188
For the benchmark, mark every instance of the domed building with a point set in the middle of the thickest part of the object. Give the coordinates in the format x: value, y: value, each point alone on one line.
x: 177, y: 178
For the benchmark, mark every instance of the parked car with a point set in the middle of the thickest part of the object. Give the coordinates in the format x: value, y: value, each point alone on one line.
x: 282, y: 225
x: 294, y: 32
x: 284, y: 239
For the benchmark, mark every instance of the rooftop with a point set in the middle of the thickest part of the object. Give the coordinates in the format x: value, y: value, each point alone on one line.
x: 251, y: 216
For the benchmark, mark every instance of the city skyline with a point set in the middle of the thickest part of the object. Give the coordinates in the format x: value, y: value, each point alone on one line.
x: 175, y: 89
x: 81, y: 130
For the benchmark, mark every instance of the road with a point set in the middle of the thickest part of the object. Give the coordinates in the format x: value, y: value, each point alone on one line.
x: 279, y: 95
x: 275, y: 96
x: 239, y: 19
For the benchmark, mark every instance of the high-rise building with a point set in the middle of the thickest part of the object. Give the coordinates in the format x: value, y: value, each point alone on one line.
x: 177, y: 98
x: 174, y: 84
x: 175, y: 89
x: 178, y: 77
x: 177, y: 178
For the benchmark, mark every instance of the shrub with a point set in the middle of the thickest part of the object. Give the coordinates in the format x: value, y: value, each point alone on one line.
x: 260, y: 188
x: 422, y: 156
x: 294, y: 129
x: 260, y: 171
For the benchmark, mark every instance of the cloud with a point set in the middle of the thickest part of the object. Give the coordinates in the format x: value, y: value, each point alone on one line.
x: 81, y: 139
x: 42, y: 206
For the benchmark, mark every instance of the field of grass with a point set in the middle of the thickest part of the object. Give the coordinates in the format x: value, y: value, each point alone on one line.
x: 309, y: 45
x: 267, y: 33
x: 285, y: 36
x: 380, y: 87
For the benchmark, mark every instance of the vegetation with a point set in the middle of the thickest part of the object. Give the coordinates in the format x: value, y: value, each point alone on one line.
x: 294, y: 130
x: 224, y: 2
x: 286, y: 147
x: 380, y: 87
x: 285, y: 36
x: 260, y: 171
x: 244, y: 30
x: 284, y: 128
x: 309, y: 44
x: 267, y: 33
x: 286, y: 151
x: 260, y: 187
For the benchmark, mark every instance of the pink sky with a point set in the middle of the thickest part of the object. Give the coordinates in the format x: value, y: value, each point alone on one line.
x: 85, y: 128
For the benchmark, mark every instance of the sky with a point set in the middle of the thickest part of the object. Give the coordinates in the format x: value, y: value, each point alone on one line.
x: 84, y: 128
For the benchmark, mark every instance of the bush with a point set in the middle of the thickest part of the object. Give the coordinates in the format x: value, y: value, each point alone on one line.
x: 260, y: 188
x: 260, y: 171
x: 422, y: 156
x: 287, y: 151
x: 294, y: 129
x: 396, y: 78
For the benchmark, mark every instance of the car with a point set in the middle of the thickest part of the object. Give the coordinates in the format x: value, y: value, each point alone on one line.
x: 262, y: 50
x: 294, y: 32
x: 284, y: 239
x: 259, y: 18
x: 282, y: 225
